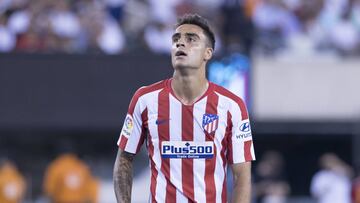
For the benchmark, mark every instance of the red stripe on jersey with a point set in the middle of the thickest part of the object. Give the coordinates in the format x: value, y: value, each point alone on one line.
x: 247, y: 150
x: 238, y: 100
x: 164, y: 131
x: 187, y: 169
x: 142, y: 91
x: 216, y: 124
x: 144, y: 128
x: 210, y: 190
x: 123, y: 142
x: 224, y: 190
x: 154, y: 172
x: 229, y: 138
x: 224, y: 144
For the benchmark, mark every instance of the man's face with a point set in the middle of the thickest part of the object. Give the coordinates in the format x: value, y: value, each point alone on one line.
x: 189, y: 47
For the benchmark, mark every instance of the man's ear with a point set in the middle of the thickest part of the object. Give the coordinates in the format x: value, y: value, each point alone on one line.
x: 208, y: 53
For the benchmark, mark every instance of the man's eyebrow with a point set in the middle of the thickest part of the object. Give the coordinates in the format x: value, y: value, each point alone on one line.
x: 188, y: 34
x: 191, y: 34
x: 176, y: 35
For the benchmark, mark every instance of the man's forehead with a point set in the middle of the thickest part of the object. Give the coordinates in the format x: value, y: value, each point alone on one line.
x: 189, y: 28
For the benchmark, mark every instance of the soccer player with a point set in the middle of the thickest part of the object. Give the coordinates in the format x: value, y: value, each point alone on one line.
x: 193, y: 129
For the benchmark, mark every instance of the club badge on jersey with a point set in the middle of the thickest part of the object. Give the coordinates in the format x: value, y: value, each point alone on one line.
x: 210, y: 122
x: 187, y: 149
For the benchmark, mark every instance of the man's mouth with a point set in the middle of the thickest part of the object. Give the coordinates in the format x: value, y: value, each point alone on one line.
x: 180, y: 53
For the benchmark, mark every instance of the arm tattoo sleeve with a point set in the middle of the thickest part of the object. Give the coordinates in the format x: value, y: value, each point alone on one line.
x: 123, y: 176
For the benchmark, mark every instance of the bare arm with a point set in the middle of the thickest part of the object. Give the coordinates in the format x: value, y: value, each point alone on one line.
x: 123, y: 176
x: 242, y: 182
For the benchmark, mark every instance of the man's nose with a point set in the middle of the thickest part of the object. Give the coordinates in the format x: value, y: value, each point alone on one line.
x: 179, y: 43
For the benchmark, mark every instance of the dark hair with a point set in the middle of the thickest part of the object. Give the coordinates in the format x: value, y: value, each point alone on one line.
x: 196, y: 19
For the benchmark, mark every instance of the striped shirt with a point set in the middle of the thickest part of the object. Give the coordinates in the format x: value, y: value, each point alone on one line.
x: 189, y: 146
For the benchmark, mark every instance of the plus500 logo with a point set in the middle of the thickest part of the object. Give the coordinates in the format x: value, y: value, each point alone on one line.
x: 186, y: 150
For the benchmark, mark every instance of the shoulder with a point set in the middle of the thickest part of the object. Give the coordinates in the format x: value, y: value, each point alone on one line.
x: 137, y: 98
x: 229, y: 95
x: 149, y: 88
x: 236, y: 104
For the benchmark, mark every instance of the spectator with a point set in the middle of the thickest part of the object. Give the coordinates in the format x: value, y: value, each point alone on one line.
x: 64, y: 24
x: 7, y: 37
x: 237, y: 27
x: 275, y: 23
x: 164, y: 10
x: 321, y: 28
x: 12, y: 183
x: 115, y: 8
x: 155, y: 35
x: 101, y: 32
x: 332, y: 183
x: 19, y: 21
x: 271, y: 184
x: 355, y: 14
x: 68, y: 179
x: 344, y: 36
x: 111, y: 39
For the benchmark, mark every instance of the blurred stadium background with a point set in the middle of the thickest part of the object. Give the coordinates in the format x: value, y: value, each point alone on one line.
x: 68, y: 70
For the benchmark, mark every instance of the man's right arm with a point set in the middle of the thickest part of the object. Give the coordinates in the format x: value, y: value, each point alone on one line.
x: 123, y: 176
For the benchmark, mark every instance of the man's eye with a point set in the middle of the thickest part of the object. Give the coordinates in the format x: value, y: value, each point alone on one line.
x: 191, y: 39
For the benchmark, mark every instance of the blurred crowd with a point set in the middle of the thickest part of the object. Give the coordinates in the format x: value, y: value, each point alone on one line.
x: 334, y: 182
x: 68, y: 178
x: 266, y: 27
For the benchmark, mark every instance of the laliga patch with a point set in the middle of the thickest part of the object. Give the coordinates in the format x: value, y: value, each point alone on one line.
x: 244, y: 130
x: 187, y: 150
x: 128, y: 126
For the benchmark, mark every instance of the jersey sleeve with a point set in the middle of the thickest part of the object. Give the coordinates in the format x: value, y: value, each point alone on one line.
x: 241, y: 147
x: 133, y: 134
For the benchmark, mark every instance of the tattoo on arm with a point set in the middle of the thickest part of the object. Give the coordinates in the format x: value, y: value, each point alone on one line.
x: 123, y: 176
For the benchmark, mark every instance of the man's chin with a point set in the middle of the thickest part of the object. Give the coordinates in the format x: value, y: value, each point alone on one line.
x: 178, y: 65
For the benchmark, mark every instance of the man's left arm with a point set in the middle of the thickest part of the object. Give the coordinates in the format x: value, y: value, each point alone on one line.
x: 241, y: 182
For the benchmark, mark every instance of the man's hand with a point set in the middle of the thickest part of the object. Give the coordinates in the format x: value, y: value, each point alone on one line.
x: 242, y: 182
x: 123, y: 176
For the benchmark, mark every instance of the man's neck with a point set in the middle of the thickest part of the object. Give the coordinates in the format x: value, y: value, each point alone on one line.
x: 188, y: 88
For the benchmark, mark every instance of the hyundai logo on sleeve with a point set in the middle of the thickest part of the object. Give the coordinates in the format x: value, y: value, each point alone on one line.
x: 245, y: 127
x: 244, y: 130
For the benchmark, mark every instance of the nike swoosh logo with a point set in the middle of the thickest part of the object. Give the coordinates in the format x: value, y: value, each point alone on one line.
x: 161, y: 121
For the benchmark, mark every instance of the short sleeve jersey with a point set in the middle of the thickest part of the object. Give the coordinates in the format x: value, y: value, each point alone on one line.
x: 189, y: 146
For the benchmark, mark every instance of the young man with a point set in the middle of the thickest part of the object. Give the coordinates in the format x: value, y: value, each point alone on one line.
x: 192, y: 127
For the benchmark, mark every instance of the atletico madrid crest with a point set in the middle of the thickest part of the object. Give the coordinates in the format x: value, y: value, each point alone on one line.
x: 210, y: 122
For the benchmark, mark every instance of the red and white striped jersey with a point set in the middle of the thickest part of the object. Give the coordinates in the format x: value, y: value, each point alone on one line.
x: 189, y: 146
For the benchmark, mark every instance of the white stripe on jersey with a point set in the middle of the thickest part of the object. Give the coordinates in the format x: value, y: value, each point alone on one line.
x: 175, y: 114
x: 137, y: 122
x: 219, y: 174
x: 239, y: 149
x: 160, y: 187
x: 152, y: 104
x: 199, y: 164
x: 252, y: 150
x: 180, y: 197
